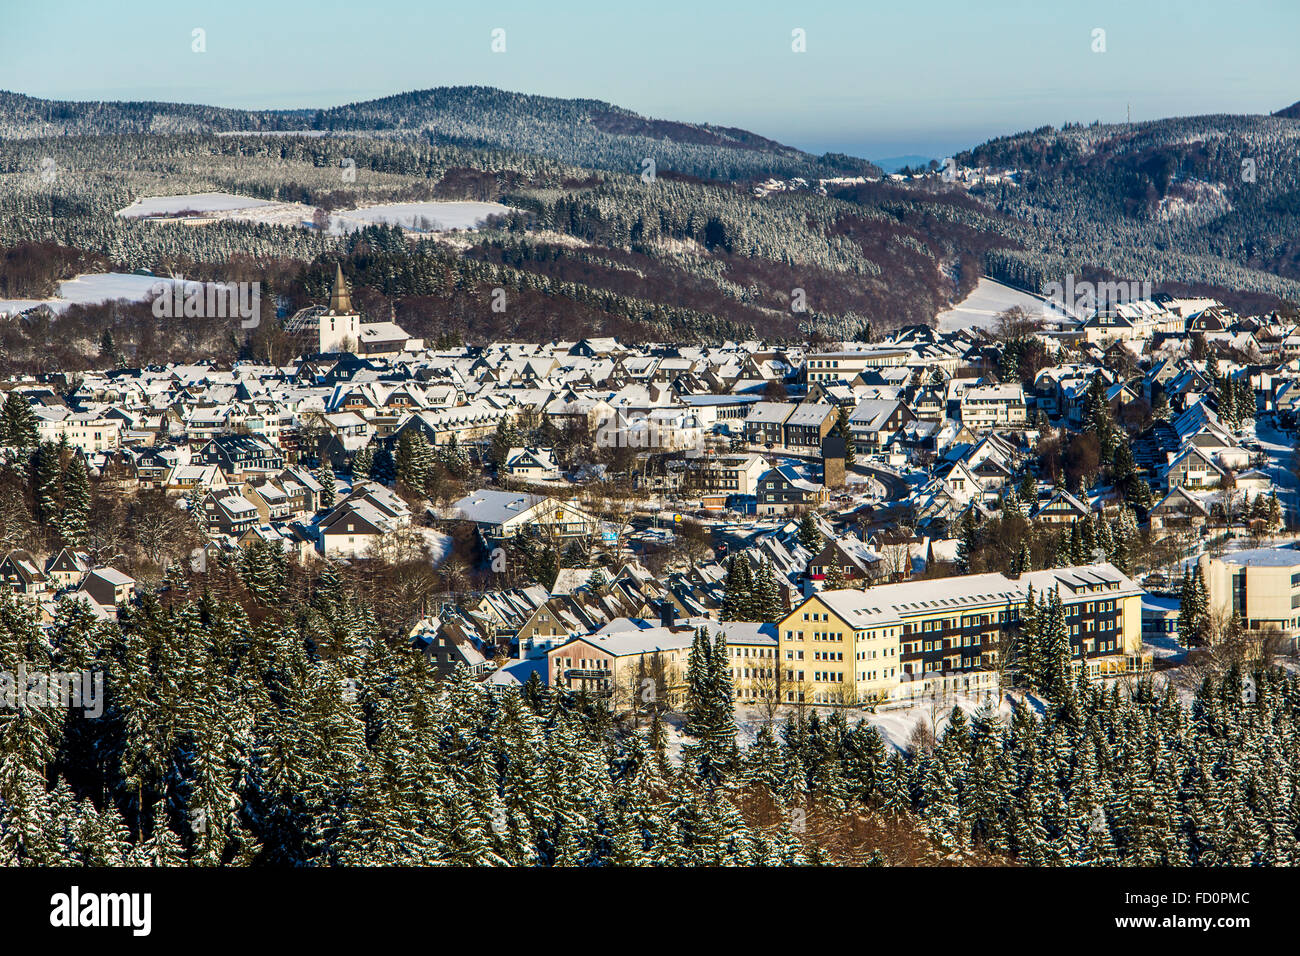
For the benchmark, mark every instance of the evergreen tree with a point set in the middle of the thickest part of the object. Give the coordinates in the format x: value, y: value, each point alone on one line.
x: 329, y: 487
x: 1105, y: 539
x: 710, y: 708
x: 1193, y: 609
x: 845, y: 431
x: 1024, y: 560
x: 18, y: 423
x: 74, y: 516
x: 362, y: 461
x: 453, y: 458
x: 1054, y: 647
x: 503, y: 439
x: 414, y: 460
x: 383, y: 469
x: 698, y: 691
x: 767, y: 605
x: 1011, y: 505
x: 738, y: 590
x: 1027, y: 664
x: 967, y: 541
x: 809, y: 534
x: 1027, y: 492
x: 46, y: 479
x: 834, y: 577
x: 1097, y: 417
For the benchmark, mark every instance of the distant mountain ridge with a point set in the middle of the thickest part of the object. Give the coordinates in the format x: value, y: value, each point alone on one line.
x: 582, y: 132
x: 1211, y: 199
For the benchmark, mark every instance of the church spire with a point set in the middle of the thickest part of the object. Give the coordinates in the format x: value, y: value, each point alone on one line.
x: 340, y: 300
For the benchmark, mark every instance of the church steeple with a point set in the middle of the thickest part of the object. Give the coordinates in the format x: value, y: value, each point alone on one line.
x: 340, y: 300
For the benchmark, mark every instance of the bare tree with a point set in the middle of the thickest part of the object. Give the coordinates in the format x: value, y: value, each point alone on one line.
x: 162, y: 529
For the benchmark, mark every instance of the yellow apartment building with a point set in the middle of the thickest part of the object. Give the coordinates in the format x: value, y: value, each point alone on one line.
x: 899, y: 641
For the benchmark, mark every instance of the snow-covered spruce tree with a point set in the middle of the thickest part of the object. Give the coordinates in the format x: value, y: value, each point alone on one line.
x: 74, y: 514
x: 329, y: 486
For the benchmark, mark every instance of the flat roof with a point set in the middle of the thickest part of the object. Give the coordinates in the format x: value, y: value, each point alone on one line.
x: 1263, y: 557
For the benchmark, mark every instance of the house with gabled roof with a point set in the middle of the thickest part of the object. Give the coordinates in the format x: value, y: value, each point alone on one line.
x: 358, y: 521
x: 270, y: 500
x: 503, y: 514
x: 192, y: 478
x: 241, y: 455
x: 22, y: 574
x: 108, y: 587
x: 765, y: 423
x: 1179, y: 509
x: 806, y: 426
x: 67, y: 568
x: 789, y: 488
x: 225, y: 511
x: 535, y: 464
x: 1193, y: 469
x: 854, y: 558
x: 875, y: 420
x: 1062, y: 508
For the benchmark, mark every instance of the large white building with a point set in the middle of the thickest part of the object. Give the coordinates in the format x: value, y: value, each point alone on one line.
x: 993, y: 406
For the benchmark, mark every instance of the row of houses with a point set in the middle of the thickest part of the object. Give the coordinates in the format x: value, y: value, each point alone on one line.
x: 68, y: 574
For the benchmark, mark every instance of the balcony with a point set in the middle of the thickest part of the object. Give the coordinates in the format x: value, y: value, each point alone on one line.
x: 580, y: 674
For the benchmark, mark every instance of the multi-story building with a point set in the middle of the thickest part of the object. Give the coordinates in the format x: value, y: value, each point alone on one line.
x: 765, y: 423
x: 993, y: 406
x: 807, y: 425
x: 898, y: 641
x: 241, y: 456
x: 615, y: 662
x: 612, y: 665
x: 846, y: 366
x: 721, y: 476
x: 789, y: 488
x: 91, y: 432
x: 1261, y: 586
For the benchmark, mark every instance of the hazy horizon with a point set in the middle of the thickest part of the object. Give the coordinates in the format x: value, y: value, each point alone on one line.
x: 875, y: 84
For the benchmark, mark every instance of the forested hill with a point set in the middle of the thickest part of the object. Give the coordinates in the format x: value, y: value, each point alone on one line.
x: 582, y: 132
x: 1214, y: 198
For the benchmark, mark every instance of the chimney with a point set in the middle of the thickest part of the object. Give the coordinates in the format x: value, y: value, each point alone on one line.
x: 667, y: 614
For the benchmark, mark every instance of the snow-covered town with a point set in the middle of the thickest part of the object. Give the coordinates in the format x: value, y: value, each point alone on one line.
x: 558, y: 437
x: 586, y: 506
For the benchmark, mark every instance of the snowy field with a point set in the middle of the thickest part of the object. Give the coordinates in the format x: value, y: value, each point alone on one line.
x: 196, y: 202
x: 981, y: 308
x: 89, y: 290
x: 418, y: 216
x: 415, y: 216
x: 217, y: 206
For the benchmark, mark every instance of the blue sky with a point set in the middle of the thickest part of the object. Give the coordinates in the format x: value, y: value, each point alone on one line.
x: 876, y: 80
